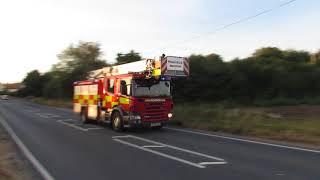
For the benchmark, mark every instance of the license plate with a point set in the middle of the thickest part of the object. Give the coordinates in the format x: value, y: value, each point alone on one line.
x: 155, y: 124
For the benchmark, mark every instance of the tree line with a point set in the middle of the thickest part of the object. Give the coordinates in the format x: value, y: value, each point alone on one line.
x: 75, y: 62
x: 269, y: 75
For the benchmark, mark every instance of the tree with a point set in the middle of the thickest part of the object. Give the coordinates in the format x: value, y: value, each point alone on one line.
x: 315, y: 58
x: 127, y: 58
x: 33, y: 84
x: 214, y: 57
x: 268, y: 52
x: 85, y: 55
x: 76, y: 61
x: 296, y: 56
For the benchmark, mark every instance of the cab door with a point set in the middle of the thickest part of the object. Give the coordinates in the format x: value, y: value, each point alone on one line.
x: 110, y: 100
x: 124, y: 93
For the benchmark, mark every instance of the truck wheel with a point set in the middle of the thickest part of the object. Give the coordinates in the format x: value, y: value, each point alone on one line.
x: 83, y: 116
x: 117, y: 123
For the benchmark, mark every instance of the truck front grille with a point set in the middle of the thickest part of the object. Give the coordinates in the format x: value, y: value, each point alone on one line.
x: 154, y: 111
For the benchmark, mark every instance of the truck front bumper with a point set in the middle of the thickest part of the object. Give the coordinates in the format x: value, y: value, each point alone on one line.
x: 132, y: 120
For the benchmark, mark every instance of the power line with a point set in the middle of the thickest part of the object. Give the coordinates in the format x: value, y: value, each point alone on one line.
x: 232, y: 24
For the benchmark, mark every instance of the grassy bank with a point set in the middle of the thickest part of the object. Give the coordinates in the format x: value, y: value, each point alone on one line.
x: 300, y: 124
x: 275, y: 124
x: 62, y: 103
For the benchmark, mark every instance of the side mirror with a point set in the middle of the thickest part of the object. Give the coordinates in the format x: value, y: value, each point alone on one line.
x: 123, y: 88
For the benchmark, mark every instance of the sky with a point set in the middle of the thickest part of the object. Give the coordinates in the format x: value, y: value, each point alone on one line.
x: 33, y: 32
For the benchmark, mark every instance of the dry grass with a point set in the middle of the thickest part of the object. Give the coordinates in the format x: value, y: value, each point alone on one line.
x: 256, y: 122
x: 11, y: 166
x: 63, y: 103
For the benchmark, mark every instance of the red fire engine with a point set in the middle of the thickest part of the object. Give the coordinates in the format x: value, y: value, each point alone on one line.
x: 131, y: 95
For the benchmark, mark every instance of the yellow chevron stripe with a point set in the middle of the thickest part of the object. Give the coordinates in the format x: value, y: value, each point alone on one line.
x: 91, y: 102
x: 114, y: 103
x: 108, y: 98
x: 124, y: 100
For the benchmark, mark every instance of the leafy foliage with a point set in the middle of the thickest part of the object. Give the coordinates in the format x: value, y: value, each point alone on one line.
x: 269, y: 75
x: 33, y: 84
x: 127, y: 58
x: 75, y: 63
x: 315, y: 58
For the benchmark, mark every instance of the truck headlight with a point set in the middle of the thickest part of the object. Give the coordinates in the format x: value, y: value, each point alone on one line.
x: 170, y: 115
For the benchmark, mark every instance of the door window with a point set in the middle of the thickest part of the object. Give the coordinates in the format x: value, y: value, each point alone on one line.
x: 111, y: 85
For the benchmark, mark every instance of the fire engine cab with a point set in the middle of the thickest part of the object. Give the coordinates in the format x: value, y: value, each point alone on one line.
x: 136, y: 94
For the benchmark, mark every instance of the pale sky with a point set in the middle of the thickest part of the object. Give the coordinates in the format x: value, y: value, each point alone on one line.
x: 33, y: 32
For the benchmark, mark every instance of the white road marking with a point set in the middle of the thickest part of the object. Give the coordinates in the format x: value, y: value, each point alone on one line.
x: 153, y: 146
x: 158, y: 144
x: 160, y: 154
x: 243, y: 140
x: 95, y: 128
x: 126, y: 136
x: 37, y: 165
x: 72, y: 125
x: 209, y: 163
x: 53, y: 115
x: 68, y: 122
x: 42, y: 115
x: 47, y: 115
x: 179, y: 149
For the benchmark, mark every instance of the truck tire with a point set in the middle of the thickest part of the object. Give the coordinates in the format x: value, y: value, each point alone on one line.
x: 83, y: 116
x: 117, y: 121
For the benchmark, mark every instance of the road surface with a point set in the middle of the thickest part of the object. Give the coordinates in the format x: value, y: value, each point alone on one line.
x: 62, y: 148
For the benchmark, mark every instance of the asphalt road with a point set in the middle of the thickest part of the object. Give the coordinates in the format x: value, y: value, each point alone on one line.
x: 65, y: 149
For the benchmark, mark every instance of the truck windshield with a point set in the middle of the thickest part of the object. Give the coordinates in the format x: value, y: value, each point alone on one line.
x: 162, y: 88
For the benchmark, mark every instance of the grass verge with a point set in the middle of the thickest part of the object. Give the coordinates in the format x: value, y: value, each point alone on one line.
x: 62, y: 103
x: 248, y: 122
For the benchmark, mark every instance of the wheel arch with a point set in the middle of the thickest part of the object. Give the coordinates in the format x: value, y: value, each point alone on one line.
x: 117, y: 109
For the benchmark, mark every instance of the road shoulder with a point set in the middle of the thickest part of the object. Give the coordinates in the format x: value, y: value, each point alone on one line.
x: 13, y: 166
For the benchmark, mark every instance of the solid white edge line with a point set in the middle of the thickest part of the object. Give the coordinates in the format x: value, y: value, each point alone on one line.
x: 243, y: 140
x: 209, y: 163
x: 37, y: 165
x: 71, y: 125
x: 179, y: 149
x: 160, y: 154
x: 153, y: 146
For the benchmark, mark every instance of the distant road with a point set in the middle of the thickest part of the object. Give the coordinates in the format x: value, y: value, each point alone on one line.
x: 64, y: 149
